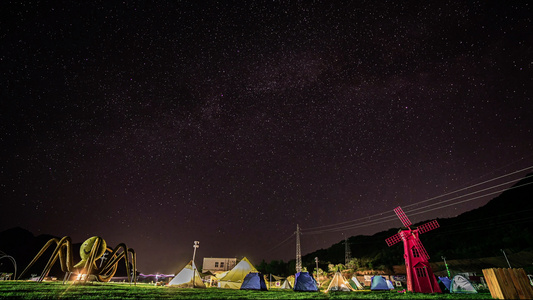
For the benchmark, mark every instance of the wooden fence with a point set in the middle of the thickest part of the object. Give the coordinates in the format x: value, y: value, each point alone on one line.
x: 508, y: 283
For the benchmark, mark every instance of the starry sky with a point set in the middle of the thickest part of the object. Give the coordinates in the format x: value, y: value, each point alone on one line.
x: 229, y: 122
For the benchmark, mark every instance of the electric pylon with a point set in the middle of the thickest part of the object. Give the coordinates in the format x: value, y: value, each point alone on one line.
x: 298, y: 250
x: 347, y: 252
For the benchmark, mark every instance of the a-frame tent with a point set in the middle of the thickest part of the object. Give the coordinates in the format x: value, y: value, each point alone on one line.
x: 355, y: 283
x: 339, y: 283
x: 286, y: 285
x: 235, y: 277
x: 188, y: 277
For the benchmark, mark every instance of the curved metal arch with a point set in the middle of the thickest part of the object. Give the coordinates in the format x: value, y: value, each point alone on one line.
x: 3, y: 255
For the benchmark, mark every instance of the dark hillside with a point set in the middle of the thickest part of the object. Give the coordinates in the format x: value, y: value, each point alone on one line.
x: 22, y: 245
x: 506, y: 222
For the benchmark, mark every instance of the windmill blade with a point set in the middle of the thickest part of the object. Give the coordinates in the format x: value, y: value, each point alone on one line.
x: 393, y: 239
x: 428, y: 226
x: 405, y: 221
x: 421, y: 249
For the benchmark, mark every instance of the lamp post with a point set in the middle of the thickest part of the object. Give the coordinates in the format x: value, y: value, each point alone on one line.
x: 446, y: 265
x: 195, y: 246
x: 506, y: 258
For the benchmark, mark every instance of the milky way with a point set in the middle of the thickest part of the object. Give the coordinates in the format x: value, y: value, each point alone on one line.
x: 230, y: 123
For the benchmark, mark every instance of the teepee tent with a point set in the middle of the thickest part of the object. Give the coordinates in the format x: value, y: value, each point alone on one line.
x: 286, y: 285
x: 460, y: 284
x: 379, y: 283
x: 254, y: 281
x: 339, y: 283
x: 235, y: 277
x: 304, y: 282
x: 355, y: 283
x: 188, y: 277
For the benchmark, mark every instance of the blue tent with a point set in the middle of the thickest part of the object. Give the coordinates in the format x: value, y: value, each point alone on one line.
x: 304, y: 282
x: 379, y: 283
x: 444, y: 283
x: 254, y: 281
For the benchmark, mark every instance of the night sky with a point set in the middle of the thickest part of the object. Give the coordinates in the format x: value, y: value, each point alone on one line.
x: 158, y: 124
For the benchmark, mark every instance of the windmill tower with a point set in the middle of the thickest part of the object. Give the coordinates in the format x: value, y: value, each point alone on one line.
x: 420, y: 277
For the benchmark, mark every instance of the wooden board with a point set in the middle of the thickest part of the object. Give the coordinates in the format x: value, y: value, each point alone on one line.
x: 508, y: 283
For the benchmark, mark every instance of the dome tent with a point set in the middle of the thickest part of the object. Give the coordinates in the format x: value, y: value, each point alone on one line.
x: 254, y: 281
x: 305, y: 282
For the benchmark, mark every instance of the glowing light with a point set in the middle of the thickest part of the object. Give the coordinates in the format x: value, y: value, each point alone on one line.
x: 81, y: 277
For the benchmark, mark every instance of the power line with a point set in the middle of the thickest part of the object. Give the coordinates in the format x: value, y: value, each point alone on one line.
x: 459, y: 197
x: 468, y: 187
x: 279, y: 245
x: 411, y: 212
x: 322, y: 229
x: 389, y: 216
x: 467, y: 200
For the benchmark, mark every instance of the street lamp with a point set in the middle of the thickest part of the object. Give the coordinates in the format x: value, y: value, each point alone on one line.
x: 195, y: 246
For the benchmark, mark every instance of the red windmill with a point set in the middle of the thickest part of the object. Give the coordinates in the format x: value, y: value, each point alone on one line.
x: 420, y: 277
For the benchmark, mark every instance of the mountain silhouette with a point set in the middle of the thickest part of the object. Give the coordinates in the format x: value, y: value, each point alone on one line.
x: 505, y: 222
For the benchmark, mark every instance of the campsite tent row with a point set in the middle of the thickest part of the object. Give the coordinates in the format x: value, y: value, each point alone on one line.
x: 245, y: 276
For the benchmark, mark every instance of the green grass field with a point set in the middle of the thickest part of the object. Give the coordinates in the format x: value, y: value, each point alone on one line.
x: 92, y: 290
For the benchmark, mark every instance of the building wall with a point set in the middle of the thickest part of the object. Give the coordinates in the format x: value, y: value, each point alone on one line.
x: 214, y: 264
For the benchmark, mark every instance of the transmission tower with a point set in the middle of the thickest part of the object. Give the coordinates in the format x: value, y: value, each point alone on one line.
x: 347, y: 252
x: 298, y: 250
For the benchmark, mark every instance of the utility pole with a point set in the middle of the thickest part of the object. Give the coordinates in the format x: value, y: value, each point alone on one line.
x: 298, y: 250
x: 506, y: 258
x: 446, y: 265
x: 195, y: 246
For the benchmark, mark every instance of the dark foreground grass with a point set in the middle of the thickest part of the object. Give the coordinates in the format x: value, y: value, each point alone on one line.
x: 56, y: 290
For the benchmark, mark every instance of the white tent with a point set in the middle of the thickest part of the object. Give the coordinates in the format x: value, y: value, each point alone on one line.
x: 357, y: 284
x: 185, y: 277
x: 286, y: 285
x: 460, y: 284
x: 234, y: 278
x: 339, y: 283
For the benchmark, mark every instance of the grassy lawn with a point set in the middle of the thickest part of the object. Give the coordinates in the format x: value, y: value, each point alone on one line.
x: 56, y: 290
